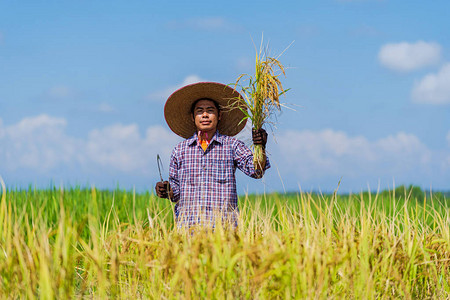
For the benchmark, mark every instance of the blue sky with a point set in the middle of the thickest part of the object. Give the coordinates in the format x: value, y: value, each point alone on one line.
x: 83, y: 85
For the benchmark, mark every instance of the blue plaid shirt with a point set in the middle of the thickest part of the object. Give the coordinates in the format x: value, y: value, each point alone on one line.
x: 204, y: 183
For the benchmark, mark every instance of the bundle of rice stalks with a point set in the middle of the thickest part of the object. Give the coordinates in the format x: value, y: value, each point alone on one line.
x: 261, y: 94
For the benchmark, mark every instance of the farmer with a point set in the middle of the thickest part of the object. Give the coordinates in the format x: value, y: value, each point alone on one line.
x: 202, y: 168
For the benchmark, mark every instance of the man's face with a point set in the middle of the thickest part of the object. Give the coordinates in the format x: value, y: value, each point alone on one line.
x: 206, y: 116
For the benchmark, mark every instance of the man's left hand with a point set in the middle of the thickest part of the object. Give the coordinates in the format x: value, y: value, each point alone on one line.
x: 259, y: 137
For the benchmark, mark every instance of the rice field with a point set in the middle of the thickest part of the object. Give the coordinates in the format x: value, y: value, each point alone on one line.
x: 89, y: 243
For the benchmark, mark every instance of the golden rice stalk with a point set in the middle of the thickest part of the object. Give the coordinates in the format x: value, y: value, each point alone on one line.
x: 261, y: 96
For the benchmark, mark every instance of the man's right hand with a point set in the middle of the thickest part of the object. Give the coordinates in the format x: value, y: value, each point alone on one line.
x: 162, y: 189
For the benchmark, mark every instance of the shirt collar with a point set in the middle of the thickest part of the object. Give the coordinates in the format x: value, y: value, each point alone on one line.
x: 217, y: 137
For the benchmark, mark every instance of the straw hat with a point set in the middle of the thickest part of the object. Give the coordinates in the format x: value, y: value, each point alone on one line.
x: 177, y: 110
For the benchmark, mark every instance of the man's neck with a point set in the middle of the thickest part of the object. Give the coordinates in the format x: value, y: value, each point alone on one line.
x: 206, y: 135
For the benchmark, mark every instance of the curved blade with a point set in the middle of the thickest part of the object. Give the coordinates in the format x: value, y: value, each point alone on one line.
x: 159, y: 163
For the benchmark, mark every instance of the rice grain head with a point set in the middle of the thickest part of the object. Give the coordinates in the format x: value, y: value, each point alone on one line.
x: 261, y: 95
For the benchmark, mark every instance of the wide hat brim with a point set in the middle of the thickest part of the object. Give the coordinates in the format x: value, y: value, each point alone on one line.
x: 177, y: 110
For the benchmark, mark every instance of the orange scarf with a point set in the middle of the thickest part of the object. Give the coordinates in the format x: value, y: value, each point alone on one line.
x: 203, y: 140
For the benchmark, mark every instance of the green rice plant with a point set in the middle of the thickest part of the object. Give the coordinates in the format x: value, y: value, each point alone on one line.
x: 261, y: 95
x: 89, y: 243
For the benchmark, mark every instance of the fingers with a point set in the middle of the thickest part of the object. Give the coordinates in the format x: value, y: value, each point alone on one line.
x: 162, y: 189
x: 259, y: 133
x: 259, y: 137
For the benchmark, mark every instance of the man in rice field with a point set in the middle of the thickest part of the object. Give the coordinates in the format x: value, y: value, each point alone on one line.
x: 202, y: 168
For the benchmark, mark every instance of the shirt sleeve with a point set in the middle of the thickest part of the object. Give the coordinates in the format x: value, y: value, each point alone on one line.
x: 243, y: 158
x: 173, y: 176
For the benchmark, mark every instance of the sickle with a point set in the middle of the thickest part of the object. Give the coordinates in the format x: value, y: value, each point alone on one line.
x: 159, y: 163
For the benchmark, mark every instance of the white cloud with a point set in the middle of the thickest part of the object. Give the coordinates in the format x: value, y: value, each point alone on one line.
x: 121, y: 147
x: 2, y: 131
x: 43, y: 124
x: 409, y: 56
x: 312, y: 154
x: 433, y: 88
x: 116, y: 146
x: 191, y: 79
x: 162, y: 95
x: 41, y: 144
x: 37, y: 143
x: 446, y: 156
x: 40, y: 147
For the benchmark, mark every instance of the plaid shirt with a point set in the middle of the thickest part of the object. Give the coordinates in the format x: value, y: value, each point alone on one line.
x: 204, y: 183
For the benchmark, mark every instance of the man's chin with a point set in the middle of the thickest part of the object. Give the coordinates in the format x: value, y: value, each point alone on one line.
x: 204, y: 128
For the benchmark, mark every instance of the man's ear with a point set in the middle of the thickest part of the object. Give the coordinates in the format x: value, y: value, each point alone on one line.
x: 220, y: 115
x: 192, y: 118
